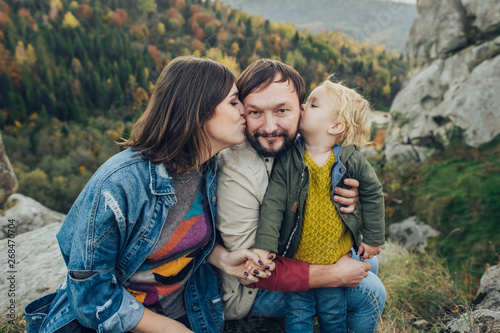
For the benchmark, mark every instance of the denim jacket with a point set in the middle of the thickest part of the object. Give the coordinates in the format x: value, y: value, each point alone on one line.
x: 121, y: 212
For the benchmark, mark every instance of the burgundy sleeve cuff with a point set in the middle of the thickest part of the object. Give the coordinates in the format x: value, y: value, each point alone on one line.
x: 290, y: 275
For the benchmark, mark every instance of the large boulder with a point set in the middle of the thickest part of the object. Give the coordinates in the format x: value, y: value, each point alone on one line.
x: 38, y: 269
x: 27, y: 214
x: 452, y: 88
x: 8, y: 180
x: 412, y: 234
x: 486, y: 315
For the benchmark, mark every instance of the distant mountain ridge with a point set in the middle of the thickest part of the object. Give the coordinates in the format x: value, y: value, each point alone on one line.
x: 373, y: 21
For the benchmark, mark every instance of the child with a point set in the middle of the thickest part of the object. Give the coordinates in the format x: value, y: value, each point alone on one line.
x: 299, y: 218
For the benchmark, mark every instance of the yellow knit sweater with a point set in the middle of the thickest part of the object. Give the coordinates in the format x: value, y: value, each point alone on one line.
x: 325, y: 238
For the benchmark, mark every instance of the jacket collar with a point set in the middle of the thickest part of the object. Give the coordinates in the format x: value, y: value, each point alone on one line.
x: 300, y: 144
x: 161, y: 178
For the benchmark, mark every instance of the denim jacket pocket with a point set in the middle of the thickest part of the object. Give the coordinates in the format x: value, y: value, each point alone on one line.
x: 216, y: 308
x: 36, y: 312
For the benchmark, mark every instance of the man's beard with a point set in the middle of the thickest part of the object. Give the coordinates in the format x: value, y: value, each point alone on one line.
x: 287, y: 143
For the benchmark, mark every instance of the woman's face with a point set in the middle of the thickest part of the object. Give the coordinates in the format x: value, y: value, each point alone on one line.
x: 227, y: 126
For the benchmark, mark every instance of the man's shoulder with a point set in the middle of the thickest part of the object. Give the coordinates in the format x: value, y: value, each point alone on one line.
x: 241, y: 154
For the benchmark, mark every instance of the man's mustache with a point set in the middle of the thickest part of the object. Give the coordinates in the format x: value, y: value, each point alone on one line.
x: 274, y: 134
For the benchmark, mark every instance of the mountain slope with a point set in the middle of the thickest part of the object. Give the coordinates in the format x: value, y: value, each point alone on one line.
x: 378, y: 22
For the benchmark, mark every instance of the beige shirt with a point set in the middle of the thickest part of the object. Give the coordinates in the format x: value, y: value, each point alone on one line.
x: 241, y: 186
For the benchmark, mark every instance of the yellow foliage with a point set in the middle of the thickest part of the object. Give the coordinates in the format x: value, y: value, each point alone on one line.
x: 146, y: 71
x: 57, y: 4
x: 160, y: 28
x: 82, y: 169
x: 60, y: 182
x: 70, y: 21
x: 258, y: 45
x: 17, y: 123
x: 73, y: 5
x: 30, y: 55
x: 231, y: 63
x: 214, y: 53
x: 235, y: 48
x: 35, y: 177
x: 20, y: 53
x: 113, y: 135
x: 386, y: 90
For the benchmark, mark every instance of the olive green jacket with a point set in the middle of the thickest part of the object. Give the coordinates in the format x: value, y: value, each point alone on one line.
x: 281, y: 213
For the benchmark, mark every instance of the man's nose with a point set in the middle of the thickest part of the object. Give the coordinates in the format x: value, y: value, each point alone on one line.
x: 270, y: 124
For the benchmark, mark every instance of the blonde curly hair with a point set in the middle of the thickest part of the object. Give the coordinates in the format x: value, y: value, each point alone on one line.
x: 353, y: 110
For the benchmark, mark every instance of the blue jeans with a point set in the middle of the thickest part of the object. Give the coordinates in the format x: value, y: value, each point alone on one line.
x: 364, y: 304
x: 328, y: 303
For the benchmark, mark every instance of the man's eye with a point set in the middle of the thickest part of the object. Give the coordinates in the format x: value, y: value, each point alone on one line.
x: 253, y: 113
x: 282, y: 110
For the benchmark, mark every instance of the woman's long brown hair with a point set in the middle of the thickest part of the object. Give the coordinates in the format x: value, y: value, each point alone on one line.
x: 171, y: 130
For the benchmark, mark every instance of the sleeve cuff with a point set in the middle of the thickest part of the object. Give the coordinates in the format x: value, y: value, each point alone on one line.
x: 290, y: 275
x: 126, y: 318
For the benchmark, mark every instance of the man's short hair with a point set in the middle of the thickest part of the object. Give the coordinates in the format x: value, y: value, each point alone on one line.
x: 261, y: 73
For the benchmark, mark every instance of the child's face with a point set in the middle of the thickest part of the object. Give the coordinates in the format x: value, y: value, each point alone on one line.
x: 316, y: 116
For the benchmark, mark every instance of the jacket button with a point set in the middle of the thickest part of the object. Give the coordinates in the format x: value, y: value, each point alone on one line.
x: 341, y: 169
x: 196, y: 308
x: 214, y: 199
x: 249, y: 293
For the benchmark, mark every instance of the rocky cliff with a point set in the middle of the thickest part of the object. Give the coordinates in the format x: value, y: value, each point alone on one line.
x: 454, y: 55
x: 8, y: 180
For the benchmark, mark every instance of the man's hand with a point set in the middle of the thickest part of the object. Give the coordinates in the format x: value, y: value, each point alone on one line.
x: 233, y: 263
x: 369, y: 251
x: 347, y: 197
x: 346, y: 272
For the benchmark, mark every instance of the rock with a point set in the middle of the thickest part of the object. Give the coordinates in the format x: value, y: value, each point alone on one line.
x: 488, y: 295
x: 412, y: 234
x: 452, y: 85
x: 28, y: 214
x: 422, y: 323
x: 476, y: 321
x: 8, y: 180
x: 39, y: 268
x: 369, y: 151
x: 486, y: 316
x: 432, y: 36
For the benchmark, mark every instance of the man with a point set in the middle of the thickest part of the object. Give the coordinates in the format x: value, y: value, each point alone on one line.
x: 272, y: 93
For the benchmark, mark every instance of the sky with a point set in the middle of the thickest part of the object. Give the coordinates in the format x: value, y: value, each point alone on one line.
x: 405, y: 1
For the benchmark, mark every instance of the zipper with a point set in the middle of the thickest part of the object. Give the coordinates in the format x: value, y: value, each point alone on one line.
x: 297, y: 212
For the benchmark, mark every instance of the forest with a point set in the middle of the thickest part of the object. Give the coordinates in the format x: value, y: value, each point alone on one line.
x: 74, y: 76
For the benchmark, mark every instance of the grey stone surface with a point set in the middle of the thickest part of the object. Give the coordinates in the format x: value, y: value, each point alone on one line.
x: 39, y: 268
x: 412, y: 234
x: 28, y: 214
x: 477, y: 321
x: 454, y: 54
x: 8, y: 180
x: 488, y: 295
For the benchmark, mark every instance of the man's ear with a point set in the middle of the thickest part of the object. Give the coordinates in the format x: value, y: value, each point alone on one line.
x: 336, y: 129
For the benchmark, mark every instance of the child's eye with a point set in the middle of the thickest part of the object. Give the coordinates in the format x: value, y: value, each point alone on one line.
x: 234, y: 103
x: 314, y: 105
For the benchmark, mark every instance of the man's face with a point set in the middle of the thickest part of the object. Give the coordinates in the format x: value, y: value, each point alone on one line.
x: 272, y: 116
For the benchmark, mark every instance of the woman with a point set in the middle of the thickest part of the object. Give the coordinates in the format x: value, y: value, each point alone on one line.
x: 142, y: 226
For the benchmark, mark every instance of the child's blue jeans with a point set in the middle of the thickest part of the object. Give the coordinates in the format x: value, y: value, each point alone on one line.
x: 329, y: 304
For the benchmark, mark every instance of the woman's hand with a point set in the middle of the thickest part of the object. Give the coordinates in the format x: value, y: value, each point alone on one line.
x: 233, y: 263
